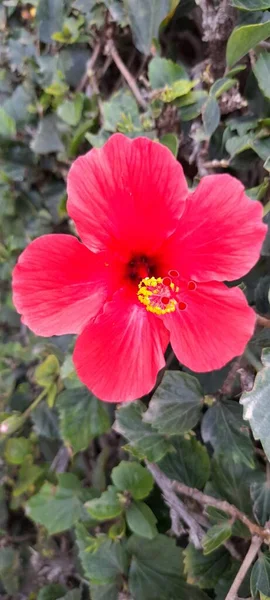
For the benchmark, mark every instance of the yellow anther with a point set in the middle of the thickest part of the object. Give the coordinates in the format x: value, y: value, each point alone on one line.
x: 156, y: 296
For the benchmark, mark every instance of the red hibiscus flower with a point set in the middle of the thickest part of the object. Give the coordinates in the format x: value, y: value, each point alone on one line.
x: 149, y: 270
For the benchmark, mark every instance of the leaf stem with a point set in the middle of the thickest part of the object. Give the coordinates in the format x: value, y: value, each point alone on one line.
x: 111, y: 50
x: 34, y: 404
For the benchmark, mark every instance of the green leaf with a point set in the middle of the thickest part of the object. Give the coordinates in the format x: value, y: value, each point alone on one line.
x: 106, y: 507
x: 53, y: 591
x: 251, y: 4
x: 223, y: 426
x: 121, y: 113
x: 162, y: 72
x: 176, y: 405
x: 46, y: 139
x: 260, y: 575
x: 7, y: 124
x: 189, y: 463
x: 145, y: 17
x: 16, y: 450
x: 57, y: 508
x: 141, y: 520
x: 177, y: 89
x: 232, y: 481
x: 260, y: 496
x: 47, y: 372
x: 205, y: 571
x: 171, y: 141
x: 156, y: 571
x: 70, y: 111
x: 261, y: 71
x: 82, y: 417
x: 103, y: 560
x: 243, y: 39
x: 9, y: 566
x: 28, y: 475
x: 211, y: 115
x: 216, y: 536
x: 143, y: 439
x: 132, y: 477
x: 109, y: 591
x: 222, y: 85
x: 256, y: 404
x: 50, y: 17
x: 235, y: 145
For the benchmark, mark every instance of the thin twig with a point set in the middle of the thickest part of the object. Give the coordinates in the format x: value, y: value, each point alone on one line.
x: 111, y: 50
x: 224, y: 506
x: 176, y: 505
x: 263, y: 321
x: 89, y: 67
x: 248, y: 560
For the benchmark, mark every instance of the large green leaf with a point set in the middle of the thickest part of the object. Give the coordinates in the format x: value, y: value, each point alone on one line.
x: 103, y: 560
x: 176, y: 404
x: 188, y: 463
x: 224, y: 428
x: 156, y: 570
x: 145, y: 17
x: 205, y: 571
x: 260, y: 575
x: 9, y: 566
x: 144, y: 440
x: 251, y: 4
x: 58, y: 508
x: 50, y: 17
x: 162, y: 72
x: 132, y: 477
x: 261, y: 71
x: 82, y: 417
x: 243, y: 39
x: 260, y: 496
x: 257, y: 406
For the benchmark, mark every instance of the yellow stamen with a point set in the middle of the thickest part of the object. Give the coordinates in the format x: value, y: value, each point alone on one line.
x: 156, y: 296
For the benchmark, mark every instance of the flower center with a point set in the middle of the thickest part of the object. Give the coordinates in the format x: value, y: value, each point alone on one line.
x: 161, y: 295
x: 158, y: 294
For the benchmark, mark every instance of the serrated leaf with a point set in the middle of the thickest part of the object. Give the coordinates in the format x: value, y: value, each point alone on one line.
x: 260, y: 575
x: 211, y: 115
x: 16, y: 450
x: 57, y: 508
x: 205, y: 571
x: 7, y: 124
x: 46, y: 138
x: 256, y: 404
x: 162, y: 72
x: 251, y: 4
x: 132, y: 477
x: 223, y: 426
x: 243, y: 39
x: 82, y: 417
x: 170, y: 140
x: 106, y: 507
x: 260, y: 496
x: 103, y: 560
x: 156, y: 570
x: 141, y: 520
x: 142, y: 437
x: 145, y: 17
x: 189, y: 463
x: 176, y: 404
x: 261, y: 71
x: 216, y: 536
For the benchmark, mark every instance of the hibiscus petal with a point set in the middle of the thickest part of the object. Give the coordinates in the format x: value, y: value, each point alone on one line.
x: 214, y: 328
x: 119, y: 353
x: 220, y: 233
x: 127, y: 195
x: 58, y: 285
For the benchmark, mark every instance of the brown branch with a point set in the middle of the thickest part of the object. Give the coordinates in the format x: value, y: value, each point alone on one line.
x: 248, y: 560
x: 176, y: 506
x: 111, y: 50
x: 224, y: 506
x: 89, y: 67
x: 263, y: 321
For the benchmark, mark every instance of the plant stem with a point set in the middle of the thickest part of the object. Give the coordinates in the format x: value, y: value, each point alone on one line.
x: 34, y: 404
x: 111, y: 50
x: 248, y: 560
